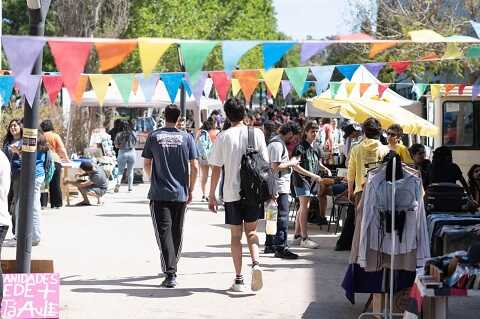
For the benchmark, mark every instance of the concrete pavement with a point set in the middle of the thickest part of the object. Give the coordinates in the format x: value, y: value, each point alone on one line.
x: 109, y: 263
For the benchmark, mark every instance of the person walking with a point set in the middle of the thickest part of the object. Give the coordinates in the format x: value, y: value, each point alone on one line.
x: 5, y: 175
x: 59, y: 153
x: 171, y: 163
x: 205, y: 139
x: 282, y: 168
x: 125, y: 142
x: 241, y: 216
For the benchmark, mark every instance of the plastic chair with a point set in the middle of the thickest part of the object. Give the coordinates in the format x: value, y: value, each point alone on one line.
x: 339, y: 205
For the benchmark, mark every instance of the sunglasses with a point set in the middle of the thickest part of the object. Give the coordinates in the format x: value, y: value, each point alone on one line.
x: 391, y: 134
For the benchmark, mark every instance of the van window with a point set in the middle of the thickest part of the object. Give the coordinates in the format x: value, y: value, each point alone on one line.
x: 458, y: 124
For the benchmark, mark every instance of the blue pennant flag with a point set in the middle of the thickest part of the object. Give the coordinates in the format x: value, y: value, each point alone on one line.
x: 273, y: 52
x: 323, y: 74
x: 172, y: 83
x: 320, y: 87
x: 148, y: 85
x: 233, y: 51
x: 374, y: 68
x: 187, y: 87
x: 6, y: 88
x: 348, y: 70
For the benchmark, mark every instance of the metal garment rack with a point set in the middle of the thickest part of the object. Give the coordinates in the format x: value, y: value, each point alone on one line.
x: 387, y: 312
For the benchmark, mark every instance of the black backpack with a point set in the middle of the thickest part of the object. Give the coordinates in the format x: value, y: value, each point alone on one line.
x: 446, y: 197
x: 255, y: 175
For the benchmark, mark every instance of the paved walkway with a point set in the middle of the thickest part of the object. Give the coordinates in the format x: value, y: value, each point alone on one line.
x: 109, y: 264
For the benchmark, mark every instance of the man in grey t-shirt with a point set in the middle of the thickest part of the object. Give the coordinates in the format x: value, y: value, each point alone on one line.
x: 282, y: 167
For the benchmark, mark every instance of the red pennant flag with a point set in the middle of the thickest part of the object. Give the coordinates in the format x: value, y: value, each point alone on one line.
x: 70, y: 58
x: 363, y: 88
x: 382, y: 88
x: 448, y: 88
x: 221, y: 83
x: 461, y: 87
x: 53, y: 85
x: 400, y: 66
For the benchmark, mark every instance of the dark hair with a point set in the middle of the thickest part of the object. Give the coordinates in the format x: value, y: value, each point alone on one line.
x: 474, y: 187
x: 172, y: 113
x: 117, y: 123
x: 326, y: 120
x: 226, y: 125
x: 310, y: 125
x: 215, y: 112
x: 42, y: 145
x: 416, y: 148
x: 372, y: 128
x: 441, y: 161
x: 397, y: 129
x: 86, y: 165
x: 289, y: 127
x: 9, y: 137
x: 234, y: 109
x: 207, y: 125
x: 46, y: 126
x: 124, y: 126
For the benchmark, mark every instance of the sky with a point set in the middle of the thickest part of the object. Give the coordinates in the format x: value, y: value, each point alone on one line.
x: 318, y: 18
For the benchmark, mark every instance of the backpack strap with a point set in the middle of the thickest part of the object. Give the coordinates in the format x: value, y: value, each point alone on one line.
x: 251, y: 139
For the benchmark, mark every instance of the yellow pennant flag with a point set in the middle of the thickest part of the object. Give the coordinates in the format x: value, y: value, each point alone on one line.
x: 235, y: 87
x: 435, y: 90
x: 452, y: 52
x: 151, y: 50
x: 272, y: 78
x: 100, y: 84
x: 424, y: 36
x: 349, y: 87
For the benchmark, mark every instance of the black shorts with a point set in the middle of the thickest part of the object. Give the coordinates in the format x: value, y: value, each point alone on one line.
x: 237, y: 212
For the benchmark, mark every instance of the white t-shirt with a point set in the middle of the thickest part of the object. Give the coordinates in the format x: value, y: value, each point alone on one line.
x: 228, y: 150
x: 4, y: 188
x: 278, y: 153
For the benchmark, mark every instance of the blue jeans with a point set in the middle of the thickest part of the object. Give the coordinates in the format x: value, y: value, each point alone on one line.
x: 36, y: 210
x: 126, y: 158
x: 279, y: 241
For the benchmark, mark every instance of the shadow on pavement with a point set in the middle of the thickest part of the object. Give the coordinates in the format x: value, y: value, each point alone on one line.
x: 123, y: 215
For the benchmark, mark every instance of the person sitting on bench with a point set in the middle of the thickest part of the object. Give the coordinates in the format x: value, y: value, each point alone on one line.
x: 96, y: 185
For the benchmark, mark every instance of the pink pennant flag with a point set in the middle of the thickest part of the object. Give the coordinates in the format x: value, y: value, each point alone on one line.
x: 382, y: 88
x: 221, y: 82
x: 461, y: 87
x: 53, y: 85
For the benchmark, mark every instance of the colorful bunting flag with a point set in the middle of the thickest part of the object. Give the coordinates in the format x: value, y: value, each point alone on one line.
x: 286, y: 88
x: 31, y: 88
x: 476, y: 28
x: 426, y: 36
x: 53, y: 85
x: 429, y: 57
x: 473, y: 52
x: 208, y: 87
x: 374, y: 68
x: 475, y: 90
x: 349, y: 88
x: 310, y: 49
x: 359, y: 36
x: 6, y: 88
x: 379, y: 47
x: 235, y: 87
x: 448, y: 88
x: 221, y: 83
x: 273, y: 52
x: 197, y: 89
x: 113, y: 52
x: 323, y: 74
x: 382, y: 87
x: 435, y: 90
x: 334, y: 86
x: 272, y: 79
x: 77, y: 95
x: 148, y: 85
x: 297, y: 77
x: 100, y: 84
x: 194, y: 56
x: 187, y: 87
x: 461, y: 87
x: 135, y: 86
x: 400, y: 66
x: 248, y: 81
x: 151, y: 50
x: 172, y: 83
x: 307, y: 86
x: 320, y: 87
x: 22, y: 53
x: 419, y: 89
x: 232, y: 52
x: 70, y: 58
x: 348, y: 70
x: 452, y: 52
x: 124, y: 84
x: 363, y: 88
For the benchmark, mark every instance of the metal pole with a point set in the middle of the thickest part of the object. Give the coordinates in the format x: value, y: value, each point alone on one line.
x: 37, y: 11
x: 182, y: 89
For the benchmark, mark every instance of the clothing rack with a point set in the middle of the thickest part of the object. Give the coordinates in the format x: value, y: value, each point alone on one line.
x: 387, y: 312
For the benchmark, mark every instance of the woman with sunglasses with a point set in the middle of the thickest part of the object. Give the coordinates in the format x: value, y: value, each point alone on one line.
x: 394, y: 135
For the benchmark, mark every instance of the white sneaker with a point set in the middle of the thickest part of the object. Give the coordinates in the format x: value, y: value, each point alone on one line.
x: 257, y: 278
x: 238, y: 287
x: 295, y: 241
x: 308, y: 243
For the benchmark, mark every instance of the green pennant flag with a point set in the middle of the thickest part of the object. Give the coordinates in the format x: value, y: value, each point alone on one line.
x: 194, y: 55
x: 473, y: 52
x: 419, y: 89
x: 297, y: 77
x: 334, y: 86
x: 124, y: 84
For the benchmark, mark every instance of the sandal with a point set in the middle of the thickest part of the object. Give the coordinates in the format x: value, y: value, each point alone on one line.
x: 83, y: 204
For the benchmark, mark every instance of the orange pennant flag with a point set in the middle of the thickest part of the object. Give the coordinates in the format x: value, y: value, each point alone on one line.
x: 135, y: 86
x: 80, y: 89
x: 112, y: 53
x: 379, y: 47
x: 448, y: 88
x: 429, y: 57
x: 363, y: 88
x: 248, y: 81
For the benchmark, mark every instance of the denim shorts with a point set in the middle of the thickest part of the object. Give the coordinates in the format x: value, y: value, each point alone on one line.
x: 303, y: 191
